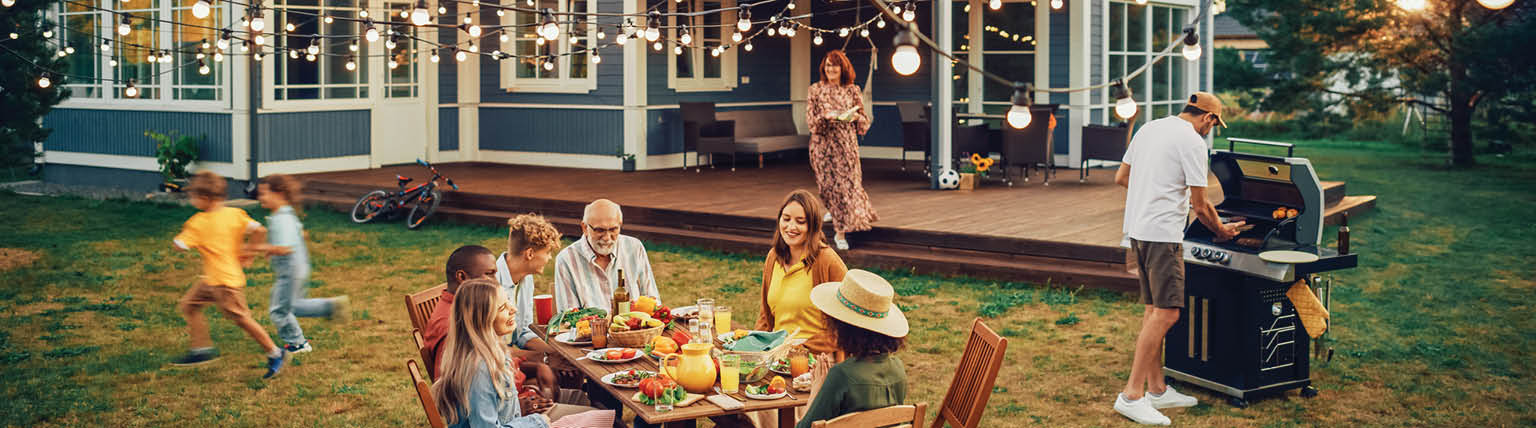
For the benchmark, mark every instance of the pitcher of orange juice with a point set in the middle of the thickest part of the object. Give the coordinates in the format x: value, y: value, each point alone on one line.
x: 695, y: 369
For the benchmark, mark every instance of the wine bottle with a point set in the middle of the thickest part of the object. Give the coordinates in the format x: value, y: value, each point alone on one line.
x: 1344, y: 234
x: 620, y: 295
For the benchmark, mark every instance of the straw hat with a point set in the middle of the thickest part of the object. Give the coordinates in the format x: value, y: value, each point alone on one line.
x: 862, y: 299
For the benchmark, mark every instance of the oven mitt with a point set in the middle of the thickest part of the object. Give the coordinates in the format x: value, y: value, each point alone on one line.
x: 1314, y: 317
x: 760, y: 341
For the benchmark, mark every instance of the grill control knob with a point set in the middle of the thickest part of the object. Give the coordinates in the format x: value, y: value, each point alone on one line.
x: 1200, y: 253
x: 1224, y: 258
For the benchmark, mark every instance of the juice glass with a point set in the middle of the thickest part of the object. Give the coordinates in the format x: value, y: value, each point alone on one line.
x: 730, y: 373
x: 722, y: 320
x: 799, y: 362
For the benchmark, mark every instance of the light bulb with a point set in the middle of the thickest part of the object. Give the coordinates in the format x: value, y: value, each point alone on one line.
x: 790, y: 6
x: 909, y: 15
x: 69, y: 50
x: 1018, y: 116
x: 744, y: 24
x: 771, y: 32
x: 352, y: 46
x: 657, y: 46
x: 351, y: 64
x: 218, y: 57
x: 747, y: 47
x: 151, y: 58
x: 736, y: 37
x: 539, y: 41
x: 106, y: 45
x: 371, y: 34
x: 995, y: 4
x: 328, y: 19
x: 817, y: 40
x: 596, y: 59
x: 223, y: 42
x: 131, y: 91
x: 362, y: 13
x: 258, y: 24
x: 549, y: 65
x: 47, y: 34
x: 15, y: 36
x: 441, y: 10
x: 473, y: 48
x: 60, y: 53
x: 652, y: 33
x: 500, y: 13
x: 1495, y: 4
x: 601, y: 35
x: 475, y: 31
x: 469, y: 20
x: 419, y: 15
x: 259, y: 39
x: 460, y: 56
x: 686, y: 38
x: 1411, y: 5
x: 677, y: 50
x: 312, y: 49
x: 504, y: 38
x: 714, y: 52
x: 864, y: 32
x: 8, y: 3
x: 1141, y: 2
x: 880, y: 23
x: 896, y: 10
x: 205, y: 44
x: 1057, y: 4
x: 258, y: 56
x: 310, y: 57
x: 434, y: 58
x: 293, y: 54
x: 289, y: 27
x: 124, y: 28
x: 112, y: 62
x: 202, y: 68
x: 392, y: 64
x: 43, y: 82
x: 842, y: 32
x: 906, y: 60
x: 1191, y: 52
x: 620, y: 39
x: 1125, y: 108
x: 389, y: 43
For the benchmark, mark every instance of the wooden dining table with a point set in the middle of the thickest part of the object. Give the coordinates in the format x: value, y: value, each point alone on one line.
x: 679, y: 416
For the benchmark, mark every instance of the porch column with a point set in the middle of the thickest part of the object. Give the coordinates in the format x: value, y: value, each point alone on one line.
x: 468, y: 93
x: 634, y: 67
x: 800, y: 71
x: 941, y: 88
x: 1082, y: 49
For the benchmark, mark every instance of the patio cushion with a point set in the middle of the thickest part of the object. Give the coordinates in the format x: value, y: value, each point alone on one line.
x: 772, y: 144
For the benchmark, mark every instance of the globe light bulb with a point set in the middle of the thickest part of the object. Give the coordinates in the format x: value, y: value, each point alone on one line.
x: 1411, y: 5
x: 652, y: 33
x: 678, y: 50
x: 258, y: 24
x: 842, y: 32
x: 596, y: 59
x: 218, y: 57
x: 419, y: 15
x: 549, y: 65
x: 352, y: 46
x: 656, y: 46
x: 112, y: 62
x: 7, y: 3
x: 293, y: 54
x: 686, y: 38
x: 621, y: 39
x: 906, y: 60
x: 351, y: 64
x: 371, y: 34
x: 289, y: 27
x: 69, y: 50
x: 771, y: 32
x: 223, y: 42
x: 434, y: 58
x: 43, y: 82
x: 863, y: 32
x: 1018, y: 116
x: 106, y: 45
x: 744, y: 24
x: 328, y: 19
x: 1057, y: 4
x: 817, y: 40
x: 473, y: 48
x: 362, y: 13
x: 747, y: 47
x: 475, y: 31
x: 1191, y: 52
x: 47, y: 34
x: 601, y: 35
x: 909, y: 15
x: 896, y: 10
x: 442, y: 10
x: 389, y: 43
x: 995, y: 4
x: 259, y: 39
x: 736, y: 37
x: 392, y: 64
x: 125, y: 27
x: 1495, y: 4
x: 460, y: 56
x: 203, y: 69
x: 131, y: 91
x: 880, y: 23
x: 1125, y: 108
x: 716, y: 51
x: 313, y: 49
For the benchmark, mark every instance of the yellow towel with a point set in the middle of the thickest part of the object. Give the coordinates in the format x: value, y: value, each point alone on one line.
x: 1314, y: 316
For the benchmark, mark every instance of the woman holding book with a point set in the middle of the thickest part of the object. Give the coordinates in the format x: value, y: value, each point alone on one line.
x: 836, y: 119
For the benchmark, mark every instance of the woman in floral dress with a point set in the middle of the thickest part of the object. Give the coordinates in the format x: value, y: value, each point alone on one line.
x: 835, y: 147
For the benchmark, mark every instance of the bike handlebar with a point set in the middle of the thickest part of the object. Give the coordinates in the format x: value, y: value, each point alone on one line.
x: 435, y: 174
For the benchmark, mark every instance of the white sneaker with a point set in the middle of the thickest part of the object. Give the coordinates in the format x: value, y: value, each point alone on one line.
x: 1172, y: 399
x: 1140, y: 411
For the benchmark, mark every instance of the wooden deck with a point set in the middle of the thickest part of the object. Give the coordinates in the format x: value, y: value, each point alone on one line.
x: 1066, y: 233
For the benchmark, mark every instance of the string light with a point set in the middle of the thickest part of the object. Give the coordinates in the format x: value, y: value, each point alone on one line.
x: 126, y: 27
x: 390, y: 43
x: 223, y: 42
x: 202, y: 68
x: 8, y: 3
x: 736, y: 37
x: 864, y: 32
x: 130, y: 90
x: 817, y: 40
x: 747, y: 47
x: 601, y: 35
x: 419, y: 16
x: 434, y: 58
x: 293, y: 54
x: 842, y: 32
x: 1495, y: 4
x: 442, y: 10
x: 259, y: 39
x: 218, y: 57
x: 549, y: 63
x: 1191, y: 49
x: 460, y: 56
x: 362, y: 14
x: 14, y: 36
x: 43, y: 82
x: 371, y: 34
x: 715, y: 52
x: 1057, y: 4
x: 47, y: 34
x: 620, y: 39
x: 771, y: 32
x: 351, y: 63
x: 549, y: 30
x: 909, y: 15
x: 289, y: 27
x: 473, y: 30
x: 314, y: 45
x: 352, y: 45
x: 258, y: 24
x: 112, y: 62
x: 744, y: 20
x: 880, y: 23
x: 994, y: 4
x: 596, y: 59
x: 1125, y: 106
x: 328, y: 19
x: 678, y: 50
x: 906, y: 59
x: 686, y: 38
x: 473, y: 48
x: 106, y: 45
x: 1018, y: 115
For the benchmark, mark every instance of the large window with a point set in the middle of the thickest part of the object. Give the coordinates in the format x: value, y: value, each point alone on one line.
x: 401, y: 66
x: 700, y: 67
x: 299, y: 76
x: 562, y: 65
x: 1002, y: 41
x: 160, y: 58
x: 1136, y: 34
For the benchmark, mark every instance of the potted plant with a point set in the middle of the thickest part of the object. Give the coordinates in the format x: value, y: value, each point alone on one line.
x: 174, y: 153
x: 973, y: 167
x: 629, y: 161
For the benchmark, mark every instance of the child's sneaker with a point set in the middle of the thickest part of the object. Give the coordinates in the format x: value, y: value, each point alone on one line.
x: 341, y: 309
x: 196, y: 358
x: 295, y: 349
x: 275, y: 364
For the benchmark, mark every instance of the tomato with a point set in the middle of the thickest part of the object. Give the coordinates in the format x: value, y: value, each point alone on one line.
x: 629, y: 353
x: 651, y: 387
x: 613, y: 354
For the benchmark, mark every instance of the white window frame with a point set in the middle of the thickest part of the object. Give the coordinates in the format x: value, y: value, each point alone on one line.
x: 728, y: 77
x: 110, y: 98
x: 1144, y: 99
x: 562, y: 83
x: 973, y: 98
x: 370, y: 53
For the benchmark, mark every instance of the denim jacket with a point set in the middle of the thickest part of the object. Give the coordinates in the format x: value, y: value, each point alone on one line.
x: 486, y: 410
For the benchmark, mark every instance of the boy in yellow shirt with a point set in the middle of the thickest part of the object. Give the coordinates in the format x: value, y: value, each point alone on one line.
x: 219, y: 234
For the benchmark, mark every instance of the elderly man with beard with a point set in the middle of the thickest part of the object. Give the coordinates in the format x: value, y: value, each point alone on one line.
x: 585, y: 271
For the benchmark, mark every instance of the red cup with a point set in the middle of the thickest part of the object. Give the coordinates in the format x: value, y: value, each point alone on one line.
x: 543, y: 308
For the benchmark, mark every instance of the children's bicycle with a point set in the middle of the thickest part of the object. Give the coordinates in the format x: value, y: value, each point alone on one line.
x: 422, y: 199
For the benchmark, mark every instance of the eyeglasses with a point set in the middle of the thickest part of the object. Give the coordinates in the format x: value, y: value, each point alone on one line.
x: 604, y: 230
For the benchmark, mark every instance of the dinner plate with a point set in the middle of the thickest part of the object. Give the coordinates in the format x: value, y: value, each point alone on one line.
x: 608, y: 378
x: 763, y: 397
x: 1288, y: 257
x: 569, y: 337
x: 683, y: 311
x: 598, y: 353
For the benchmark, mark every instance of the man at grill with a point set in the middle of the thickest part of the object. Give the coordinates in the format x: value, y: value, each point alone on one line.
x: 1164, y: 171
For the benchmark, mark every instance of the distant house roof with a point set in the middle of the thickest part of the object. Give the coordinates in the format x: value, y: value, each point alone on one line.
x: 1227, y: 27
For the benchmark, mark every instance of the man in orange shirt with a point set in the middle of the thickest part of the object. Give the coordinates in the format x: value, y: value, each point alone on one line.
x: 220, y: 234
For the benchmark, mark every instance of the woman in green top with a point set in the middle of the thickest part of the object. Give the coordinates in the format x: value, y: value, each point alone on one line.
x: 862, y: 312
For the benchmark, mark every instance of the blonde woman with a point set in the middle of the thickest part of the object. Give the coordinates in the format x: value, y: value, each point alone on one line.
x: 475, y: 387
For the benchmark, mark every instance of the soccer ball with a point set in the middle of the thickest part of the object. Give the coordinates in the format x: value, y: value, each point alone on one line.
x: 949, y: 179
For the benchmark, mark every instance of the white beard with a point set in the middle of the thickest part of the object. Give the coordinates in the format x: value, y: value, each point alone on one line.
x: 602, y: 250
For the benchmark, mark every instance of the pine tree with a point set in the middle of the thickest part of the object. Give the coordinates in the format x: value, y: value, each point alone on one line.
x: 25, y: 57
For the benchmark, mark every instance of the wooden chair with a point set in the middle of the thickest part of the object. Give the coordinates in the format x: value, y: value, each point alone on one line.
x: 424, y: 393
x: 972, y: 385
x: 882, y: 417
x: 419, y: 305
x: 426, y: 354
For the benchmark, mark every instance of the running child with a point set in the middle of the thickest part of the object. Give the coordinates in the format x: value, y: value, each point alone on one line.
x: 280, y: 194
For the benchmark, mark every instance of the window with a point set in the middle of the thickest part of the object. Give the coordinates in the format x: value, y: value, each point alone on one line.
x: 403, y: 69
x: 159, y: 57
x: 298, y: 76
x: 1136, y: 34
x: 562, y: 65
x: 1005, y: 41
x: 698, y: 67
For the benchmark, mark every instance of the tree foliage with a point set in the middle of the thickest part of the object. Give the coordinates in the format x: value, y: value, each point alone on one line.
x: 1453, y: 57
x: 23, y: 60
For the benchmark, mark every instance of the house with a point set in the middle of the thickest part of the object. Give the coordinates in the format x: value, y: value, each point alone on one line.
x: 386, y: 105
x: 1232, y: 34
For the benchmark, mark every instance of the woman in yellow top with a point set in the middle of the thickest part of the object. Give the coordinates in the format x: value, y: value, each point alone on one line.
x: 799, y: 260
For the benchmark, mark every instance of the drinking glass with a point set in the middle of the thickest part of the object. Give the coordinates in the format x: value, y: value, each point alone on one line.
x: 730, y: 373
x: 722, y: 320
x: 799, y: 362
x: 600, y: 333
x: 663, y: 407
x: 694, y: 334
x: 706, y: 309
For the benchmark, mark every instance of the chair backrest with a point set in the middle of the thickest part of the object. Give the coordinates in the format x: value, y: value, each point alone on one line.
x: 1035, y: 143
x: 1105, y: 142
x: 762, y: 123
x: 972, y: 385
x: 912, y: 111
x: 702, y: 113
x: 426, y: 354
x: 970, y: 139
x: 424, y: 393
x: 419, y: 305
x: 882, y: 417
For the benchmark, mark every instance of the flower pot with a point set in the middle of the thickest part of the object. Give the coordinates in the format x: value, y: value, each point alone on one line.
x: 629, y: 165
x: 967, y: 181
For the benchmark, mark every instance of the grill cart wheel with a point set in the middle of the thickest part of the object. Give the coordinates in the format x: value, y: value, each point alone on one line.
x: 1237, y: 402
x: 1309, y: 392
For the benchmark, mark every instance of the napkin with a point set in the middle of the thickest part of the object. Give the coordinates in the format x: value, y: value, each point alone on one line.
x: 760, y: 341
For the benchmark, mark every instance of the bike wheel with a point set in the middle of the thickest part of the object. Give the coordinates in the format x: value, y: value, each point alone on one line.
x: 422, y: 208
x: 369, y: 206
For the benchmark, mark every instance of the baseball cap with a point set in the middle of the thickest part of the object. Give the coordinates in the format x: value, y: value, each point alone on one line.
x: 1208, y: 102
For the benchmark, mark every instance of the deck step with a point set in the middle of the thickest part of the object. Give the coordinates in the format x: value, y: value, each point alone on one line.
x: 1333, y: 192
x: 1351, y: 205
x: 895, y: 256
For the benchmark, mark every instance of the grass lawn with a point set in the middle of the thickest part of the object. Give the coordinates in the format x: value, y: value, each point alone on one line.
x: 1430, y: 329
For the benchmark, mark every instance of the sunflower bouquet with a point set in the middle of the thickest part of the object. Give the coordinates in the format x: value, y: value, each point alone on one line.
x: 978, y: 165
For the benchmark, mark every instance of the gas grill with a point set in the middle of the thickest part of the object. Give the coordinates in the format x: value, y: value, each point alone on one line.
x: 1238, y: 334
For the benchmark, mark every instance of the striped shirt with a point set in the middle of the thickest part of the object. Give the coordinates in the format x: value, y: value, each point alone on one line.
x: 520, y: 294
x: 579, y: 282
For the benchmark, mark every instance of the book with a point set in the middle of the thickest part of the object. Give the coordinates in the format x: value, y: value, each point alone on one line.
x: 850, y: 114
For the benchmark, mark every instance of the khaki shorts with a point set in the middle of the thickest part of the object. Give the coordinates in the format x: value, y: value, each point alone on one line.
x: 230, y: 301
x: 1162, y: 273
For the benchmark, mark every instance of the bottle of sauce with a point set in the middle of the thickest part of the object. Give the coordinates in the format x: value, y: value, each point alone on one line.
x: 620, y: 295
x: 1344, y: 234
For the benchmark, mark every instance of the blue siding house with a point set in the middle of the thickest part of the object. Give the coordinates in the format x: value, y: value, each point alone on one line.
x: 407, y: 101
